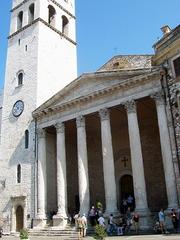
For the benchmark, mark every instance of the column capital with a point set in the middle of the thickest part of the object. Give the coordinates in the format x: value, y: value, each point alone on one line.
x: 59, y: 127
x: 41, y: 133
x: 158, y: 97
x: 80, y: 121
x: 104, y: 114
x: 130, y: 106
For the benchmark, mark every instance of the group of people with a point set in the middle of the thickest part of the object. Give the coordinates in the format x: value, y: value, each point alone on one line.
x: 160, y: 225
x: 115, y: 225
x: 127, y: 202
x: 123, y: 223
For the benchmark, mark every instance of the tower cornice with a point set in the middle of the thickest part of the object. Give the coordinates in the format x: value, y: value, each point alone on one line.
x: 54, y: 1
x: 47, y: 24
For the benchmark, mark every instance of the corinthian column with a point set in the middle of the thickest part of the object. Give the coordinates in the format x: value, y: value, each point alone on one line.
x: 61, y: 171
x: 41, y: 198
x: 108, y: 162
x: 136, y: 158
x: 82, y: 166
x: 166, y: 151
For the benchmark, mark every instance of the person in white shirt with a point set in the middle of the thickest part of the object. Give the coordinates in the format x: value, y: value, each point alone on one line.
x: 101, y: 221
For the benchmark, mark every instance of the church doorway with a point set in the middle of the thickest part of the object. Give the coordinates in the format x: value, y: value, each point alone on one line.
x: 126, y: 190
x: 19, y: 218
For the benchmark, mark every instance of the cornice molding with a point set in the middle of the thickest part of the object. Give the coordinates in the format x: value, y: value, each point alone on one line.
x: 62, y: 8
x: 49, y: 111
x: 166, y: 53
x: 45, y: 23
x: 55, y: 2
x: 19, y: 5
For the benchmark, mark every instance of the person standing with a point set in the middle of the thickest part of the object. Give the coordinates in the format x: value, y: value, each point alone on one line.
x: 101, y: 221
x: 92, y: 216
x: 124, y: 206
x: 112, y: 226
x: 128, y: 220
x: 174, y: 219
x: 84, y: 225
x: 80, y: 227
x: 130, y: 201
x: 135, y: 219
x: 119, y: 224
x: 161, y: 216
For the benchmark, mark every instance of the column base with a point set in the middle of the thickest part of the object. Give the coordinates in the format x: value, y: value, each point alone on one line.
x: 59, y: 221
x: 145, y: 219
x: 39, y: 222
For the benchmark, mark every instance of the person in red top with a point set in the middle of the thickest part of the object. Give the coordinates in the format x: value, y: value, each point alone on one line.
x: 135, y: 219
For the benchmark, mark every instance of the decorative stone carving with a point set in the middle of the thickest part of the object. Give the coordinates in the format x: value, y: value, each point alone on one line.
x: 158, y: 97
x: 104, y: 114
x: 130, y: 106
x: 59, y: 127
x: 41, y: 133
x: 80, y: 121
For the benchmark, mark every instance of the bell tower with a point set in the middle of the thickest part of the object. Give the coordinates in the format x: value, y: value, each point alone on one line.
x: 41, y: 60
x: 42, y: 36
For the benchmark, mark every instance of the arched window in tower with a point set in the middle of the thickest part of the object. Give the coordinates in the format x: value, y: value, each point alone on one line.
x: 51, y: 16
x: 31, y: 13
x: 18, y: 173
x: 26, y: 139
x: 20, y: 78
x: 20, y: 20
x: 65, y: 25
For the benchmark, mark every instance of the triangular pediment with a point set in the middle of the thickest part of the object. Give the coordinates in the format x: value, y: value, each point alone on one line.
x: 90, y: 83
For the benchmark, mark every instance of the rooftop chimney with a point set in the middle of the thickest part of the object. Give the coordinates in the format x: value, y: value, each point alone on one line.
x: 165, y: 29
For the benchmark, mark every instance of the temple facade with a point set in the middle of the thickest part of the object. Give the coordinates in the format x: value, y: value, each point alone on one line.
x: 102, y: 137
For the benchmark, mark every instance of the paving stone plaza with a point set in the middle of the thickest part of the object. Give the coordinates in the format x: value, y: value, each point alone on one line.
x: 140, y: 237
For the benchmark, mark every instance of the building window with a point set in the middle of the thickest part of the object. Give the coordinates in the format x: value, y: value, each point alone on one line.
x: 20, y: 78
x: 18, y: 173
x: 20, y: 20
x: 31, y: 13
x: 65, y: 25
x: 26, y: 139
x: 176, y: 63
x: 51, y: 16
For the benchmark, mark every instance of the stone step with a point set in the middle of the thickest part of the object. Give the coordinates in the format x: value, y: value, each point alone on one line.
x: 54, y: 232
x: 67, y: 233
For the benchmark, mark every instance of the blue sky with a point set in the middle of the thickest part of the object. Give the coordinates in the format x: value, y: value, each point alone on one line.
x: 107, y: 28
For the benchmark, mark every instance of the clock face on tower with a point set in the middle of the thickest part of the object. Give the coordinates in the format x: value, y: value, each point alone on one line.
x: 18, y: 108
